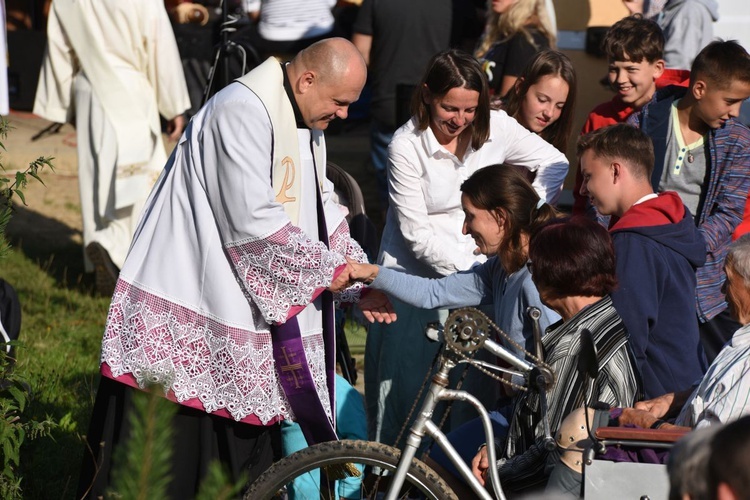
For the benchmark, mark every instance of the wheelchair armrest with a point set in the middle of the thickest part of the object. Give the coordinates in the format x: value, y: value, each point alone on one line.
x: 636, y: 434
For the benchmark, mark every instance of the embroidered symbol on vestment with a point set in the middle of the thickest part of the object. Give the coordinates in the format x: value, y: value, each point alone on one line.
x: 291, y: 368
x: 288, y: 181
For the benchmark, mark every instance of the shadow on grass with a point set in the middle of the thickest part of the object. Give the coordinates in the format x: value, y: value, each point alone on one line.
x: 52, y: 246
x: 61, y: 455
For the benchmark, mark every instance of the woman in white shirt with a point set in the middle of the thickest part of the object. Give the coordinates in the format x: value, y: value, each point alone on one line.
x: 452, y: 134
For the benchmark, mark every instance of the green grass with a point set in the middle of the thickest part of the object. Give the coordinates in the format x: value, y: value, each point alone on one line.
x: 356, y: 334
x: 61, y: 330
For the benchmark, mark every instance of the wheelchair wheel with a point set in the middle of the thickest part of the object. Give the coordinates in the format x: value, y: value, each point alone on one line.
x: 345, y: 469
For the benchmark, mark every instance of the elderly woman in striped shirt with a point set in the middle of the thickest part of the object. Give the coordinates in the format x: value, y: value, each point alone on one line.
x: 721, y: 396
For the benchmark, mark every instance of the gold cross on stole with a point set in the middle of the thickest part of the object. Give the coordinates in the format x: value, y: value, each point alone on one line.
x: 291, y: 368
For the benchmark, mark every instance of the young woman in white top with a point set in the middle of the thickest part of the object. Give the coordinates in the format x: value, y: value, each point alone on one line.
x: 453, y: 133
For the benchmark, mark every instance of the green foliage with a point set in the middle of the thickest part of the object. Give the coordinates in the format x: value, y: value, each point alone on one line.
x: 217, y: 485
x: 62, y: 332
x: 141, y: 466
x: 9, y: 190
x: 15, y: 427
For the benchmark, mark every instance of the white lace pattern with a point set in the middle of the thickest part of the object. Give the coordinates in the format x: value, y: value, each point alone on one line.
x: 197, y: 357
x: 342, y: 243
x: 283, y: 270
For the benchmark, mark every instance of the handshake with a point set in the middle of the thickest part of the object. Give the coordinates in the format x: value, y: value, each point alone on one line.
x: 374, y: 304
x: 354, y: 272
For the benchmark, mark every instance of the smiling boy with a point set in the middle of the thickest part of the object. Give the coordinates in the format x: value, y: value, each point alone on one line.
x: 657, y: 249
x: 634, y: 47
x: 703, y: 154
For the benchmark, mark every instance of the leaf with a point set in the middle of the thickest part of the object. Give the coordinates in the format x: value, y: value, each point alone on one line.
x: 19, y: 395
x: 20, y: 194
x: 21, y: 179
x: 36, y: 176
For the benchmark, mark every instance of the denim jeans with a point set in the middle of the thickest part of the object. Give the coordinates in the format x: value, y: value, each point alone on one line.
x: 380, y: 137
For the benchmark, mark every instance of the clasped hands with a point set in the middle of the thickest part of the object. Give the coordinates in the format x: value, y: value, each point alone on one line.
x: 374, y: 304
x: 646, y: 414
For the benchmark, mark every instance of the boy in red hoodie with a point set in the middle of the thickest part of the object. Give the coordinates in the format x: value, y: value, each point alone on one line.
x: 634, y: 47
x: 657, y: 249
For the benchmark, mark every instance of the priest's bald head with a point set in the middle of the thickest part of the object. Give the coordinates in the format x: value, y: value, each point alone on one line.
x: 326, y: 78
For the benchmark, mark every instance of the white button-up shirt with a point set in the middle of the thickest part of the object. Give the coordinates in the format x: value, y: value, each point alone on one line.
x: 423, y: 228
x: 723, y: 394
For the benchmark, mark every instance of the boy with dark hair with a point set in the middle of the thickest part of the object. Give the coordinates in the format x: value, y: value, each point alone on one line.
x: 703, y: 154
x: 634, y: 47
x: 657, y: 248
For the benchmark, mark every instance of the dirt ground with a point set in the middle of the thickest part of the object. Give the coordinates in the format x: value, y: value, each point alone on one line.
x: 53, y: 211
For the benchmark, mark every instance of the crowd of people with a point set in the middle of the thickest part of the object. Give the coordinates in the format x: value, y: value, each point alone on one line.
x: 235, y: 323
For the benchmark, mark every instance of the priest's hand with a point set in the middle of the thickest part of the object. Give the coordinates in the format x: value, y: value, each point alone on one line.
x: 376, y: 307
x: 342, y: 280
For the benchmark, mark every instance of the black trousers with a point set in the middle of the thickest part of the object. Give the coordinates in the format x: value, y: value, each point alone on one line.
x: 246, y: 451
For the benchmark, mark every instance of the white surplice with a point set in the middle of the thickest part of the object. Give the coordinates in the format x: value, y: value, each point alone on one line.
x: 112, y: 68
x: 216, y: 259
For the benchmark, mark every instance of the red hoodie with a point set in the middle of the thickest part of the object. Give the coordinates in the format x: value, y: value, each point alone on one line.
x: 657, y: 250
x: 667, y: 208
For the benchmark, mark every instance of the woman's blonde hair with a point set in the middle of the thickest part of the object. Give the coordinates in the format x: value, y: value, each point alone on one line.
x: 520, y: 16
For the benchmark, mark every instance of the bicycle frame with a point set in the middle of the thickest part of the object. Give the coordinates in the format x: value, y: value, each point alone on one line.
x: 424, y: 425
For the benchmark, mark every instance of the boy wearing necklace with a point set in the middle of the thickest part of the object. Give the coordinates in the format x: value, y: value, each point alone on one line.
x: 703, y: 153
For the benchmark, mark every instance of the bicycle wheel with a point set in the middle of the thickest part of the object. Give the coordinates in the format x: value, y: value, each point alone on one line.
x: 345, y: 469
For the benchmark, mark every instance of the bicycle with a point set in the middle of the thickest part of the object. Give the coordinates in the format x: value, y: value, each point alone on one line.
x: 363, y: 469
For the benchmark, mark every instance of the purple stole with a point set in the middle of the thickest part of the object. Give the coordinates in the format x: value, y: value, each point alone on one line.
x: 291, y: 363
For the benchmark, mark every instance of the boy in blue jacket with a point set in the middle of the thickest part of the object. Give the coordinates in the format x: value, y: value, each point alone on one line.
x: 657, y: 248
x: 703, y: 153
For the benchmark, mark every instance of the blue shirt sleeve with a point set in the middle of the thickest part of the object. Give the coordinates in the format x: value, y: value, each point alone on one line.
x: 465, y: 288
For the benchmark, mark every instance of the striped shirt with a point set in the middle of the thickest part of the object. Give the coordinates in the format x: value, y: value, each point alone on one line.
x: 525, y: 459
x: 723, y: 394
x: 724, y: 193
x: 288, y: 20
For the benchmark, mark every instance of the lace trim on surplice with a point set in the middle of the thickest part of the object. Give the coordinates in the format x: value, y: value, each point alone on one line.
x: 342, y: 243
x: 283, y: 270
x: 196, y: 356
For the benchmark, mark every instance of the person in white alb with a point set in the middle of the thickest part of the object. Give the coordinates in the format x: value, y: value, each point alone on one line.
x: 111, y: 68
x: 224, y: 300
x: 452, y: 134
